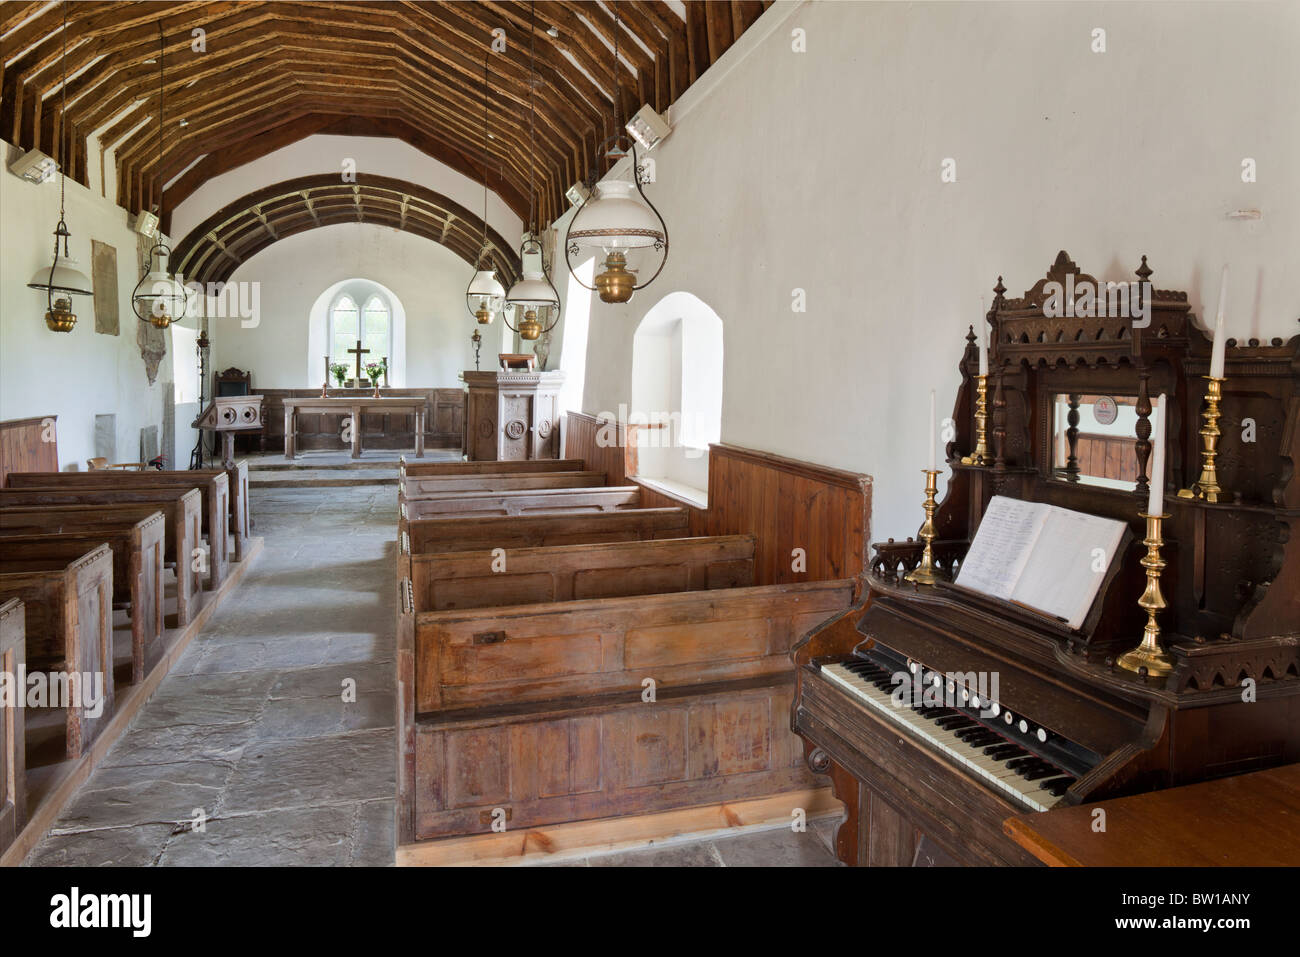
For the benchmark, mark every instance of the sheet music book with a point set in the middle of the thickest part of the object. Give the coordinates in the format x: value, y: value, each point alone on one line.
x: 1041, y: 556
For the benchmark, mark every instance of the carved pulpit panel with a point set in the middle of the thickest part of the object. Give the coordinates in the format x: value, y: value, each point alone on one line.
x: 512, y: 414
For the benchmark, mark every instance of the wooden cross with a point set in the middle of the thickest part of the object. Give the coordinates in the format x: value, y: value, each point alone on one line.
x: 359, y: 353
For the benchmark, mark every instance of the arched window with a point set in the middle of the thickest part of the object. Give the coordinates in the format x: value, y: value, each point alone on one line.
x: 372, y: 324
x: 677, y: 391
x: 376, y: 329
x: 352, y: 309
x: 344, y: 329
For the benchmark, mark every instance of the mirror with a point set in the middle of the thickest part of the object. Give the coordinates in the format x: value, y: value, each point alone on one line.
x: 1104, y: 443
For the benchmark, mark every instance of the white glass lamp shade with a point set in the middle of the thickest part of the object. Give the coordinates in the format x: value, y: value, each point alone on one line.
x: 532, y: 291
x: 160, y: 292
x: 68, y: 279
x: 615, y: 218
x: 484, y: 285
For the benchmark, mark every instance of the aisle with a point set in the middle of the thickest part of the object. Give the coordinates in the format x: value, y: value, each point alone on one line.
x: 251, y: 727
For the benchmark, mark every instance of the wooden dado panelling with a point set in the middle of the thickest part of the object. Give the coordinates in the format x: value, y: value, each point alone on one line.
x: 28, y: 445
x: 594, y: 759
x: 444, y: 417
x: 783, y: 503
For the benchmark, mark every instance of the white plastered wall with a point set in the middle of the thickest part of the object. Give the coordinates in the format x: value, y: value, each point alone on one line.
x: 80, y: 374
x: 820, y: 171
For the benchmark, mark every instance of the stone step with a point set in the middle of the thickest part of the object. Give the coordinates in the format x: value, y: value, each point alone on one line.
x: 307, y: 478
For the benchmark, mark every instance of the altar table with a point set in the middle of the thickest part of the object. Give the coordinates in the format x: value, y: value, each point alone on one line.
x: 355, y: 405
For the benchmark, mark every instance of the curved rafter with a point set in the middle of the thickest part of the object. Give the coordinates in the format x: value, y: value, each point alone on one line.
x: 216, y: 247
x: 413, y: 67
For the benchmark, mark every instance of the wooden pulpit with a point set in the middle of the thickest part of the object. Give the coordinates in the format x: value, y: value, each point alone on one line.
x: 512, y: 415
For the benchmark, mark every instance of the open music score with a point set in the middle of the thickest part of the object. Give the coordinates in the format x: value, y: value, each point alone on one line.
x: 1049, y: 559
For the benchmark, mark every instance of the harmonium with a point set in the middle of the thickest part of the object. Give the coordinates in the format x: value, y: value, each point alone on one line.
x: 1047, y: 640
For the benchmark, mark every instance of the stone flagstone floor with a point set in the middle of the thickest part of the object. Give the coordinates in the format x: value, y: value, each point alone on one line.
x: 251, y: 726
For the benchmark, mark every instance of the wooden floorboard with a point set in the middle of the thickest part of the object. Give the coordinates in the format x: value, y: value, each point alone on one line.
x: 583, y: 838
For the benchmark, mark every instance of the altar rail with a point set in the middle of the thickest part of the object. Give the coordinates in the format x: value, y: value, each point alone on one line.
x: 783, y: 503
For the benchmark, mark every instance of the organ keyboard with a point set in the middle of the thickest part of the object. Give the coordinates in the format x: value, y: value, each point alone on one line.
x: 1001, y: 750
x: 938, y: 713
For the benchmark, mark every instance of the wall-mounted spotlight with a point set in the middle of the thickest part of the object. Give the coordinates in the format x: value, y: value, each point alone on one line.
x: 648, y: 128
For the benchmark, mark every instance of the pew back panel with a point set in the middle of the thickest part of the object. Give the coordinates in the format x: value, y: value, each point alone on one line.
x: 13, y: 759
x: 522, y: 467
x: 496, y: 577
x: 182, y: 508
x: 213, y: 484
x: 425, y: 486
x: 530, y: 502
x: 69, y: 626
x: 496, y: 656
x: 429, y: 536
x: 137, y: 573
x: 596, y: 758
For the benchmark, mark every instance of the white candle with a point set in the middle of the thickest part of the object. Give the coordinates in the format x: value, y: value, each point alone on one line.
x: 984, y: 340
x: 1156, y: 502
x: 932, y: 438
x: 1220, y: 340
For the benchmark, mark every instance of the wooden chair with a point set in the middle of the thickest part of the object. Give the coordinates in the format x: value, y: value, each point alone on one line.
x: 100, y: 463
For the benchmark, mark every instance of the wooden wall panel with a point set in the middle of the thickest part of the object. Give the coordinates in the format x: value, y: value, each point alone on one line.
x: 23, y: 446
x: 783, y: 503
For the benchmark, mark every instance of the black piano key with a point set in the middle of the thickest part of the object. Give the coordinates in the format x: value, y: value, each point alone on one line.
x: 955, y: 722
x: 1046, y: 772
x: 1005, y: 751
x: 1058, y: 786
x: 934, y: 714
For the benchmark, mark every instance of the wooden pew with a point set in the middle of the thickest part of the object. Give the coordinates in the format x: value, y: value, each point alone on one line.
x: 69, y: 626
x: 423, y: 486
x: 488, y: 578
x: 433, y: 535
x: 527, y: 466
x: 539, y: 709
x: 524, y: 502
x: 430, y: 535
x: 219, y: 506
x: 33, y: 544
x: 182, y: 507
x: 13, y: 757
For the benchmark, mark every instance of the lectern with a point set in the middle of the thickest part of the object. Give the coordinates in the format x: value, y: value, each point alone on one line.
x: 512, y: 415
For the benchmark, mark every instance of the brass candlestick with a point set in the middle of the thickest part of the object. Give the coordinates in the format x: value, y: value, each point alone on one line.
x: 325, y: 386
x: 981, y: 454
x: 1207, y: 486
x: 926, y: 573
x: 1149, y: 654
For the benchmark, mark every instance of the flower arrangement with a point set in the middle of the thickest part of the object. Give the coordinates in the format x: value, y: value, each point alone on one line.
x: 340, y: 372
x: 375, y: 372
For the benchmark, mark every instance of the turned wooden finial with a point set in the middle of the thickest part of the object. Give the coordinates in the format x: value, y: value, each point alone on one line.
x: 1144, y: 271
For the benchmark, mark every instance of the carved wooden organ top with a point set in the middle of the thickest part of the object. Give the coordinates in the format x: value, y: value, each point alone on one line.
x: 1077, y: 726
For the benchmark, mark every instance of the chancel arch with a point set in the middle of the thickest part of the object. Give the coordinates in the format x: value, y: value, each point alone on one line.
x: 213, y: 250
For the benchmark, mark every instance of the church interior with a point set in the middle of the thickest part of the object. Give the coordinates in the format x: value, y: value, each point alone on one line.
x: 687, y: 433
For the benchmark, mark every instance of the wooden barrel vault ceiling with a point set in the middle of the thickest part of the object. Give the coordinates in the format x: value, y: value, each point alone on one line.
x: 275, y: 73
x: 215, y: 248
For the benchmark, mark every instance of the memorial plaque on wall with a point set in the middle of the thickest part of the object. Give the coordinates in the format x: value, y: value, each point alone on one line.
x: 103, y: 273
